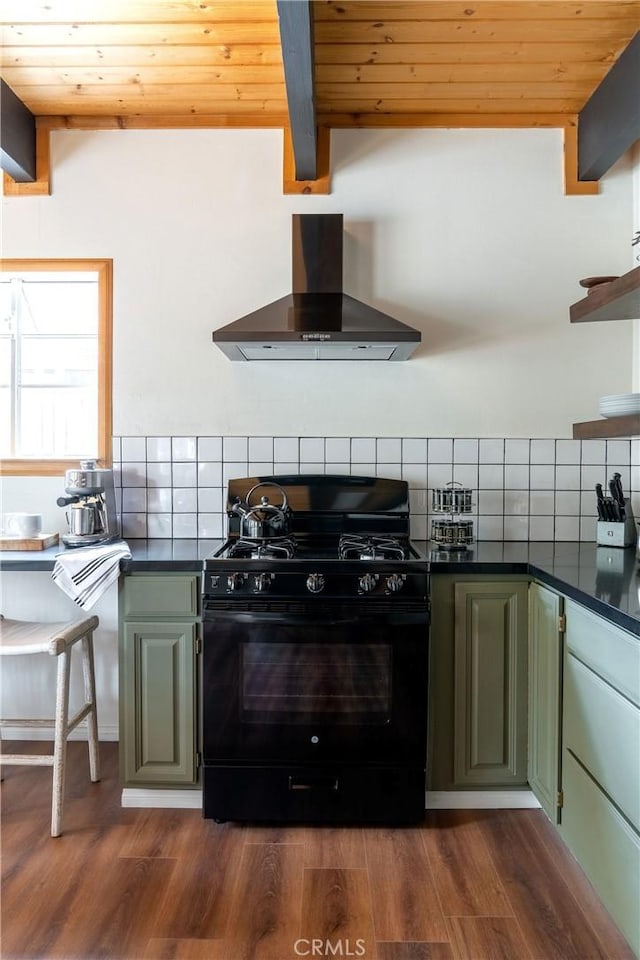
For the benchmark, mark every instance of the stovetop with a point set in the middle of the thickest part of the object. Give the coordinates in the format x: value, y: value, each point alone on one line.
x: 345, y: 536
x: 334, y: 568
x: 356, y: 547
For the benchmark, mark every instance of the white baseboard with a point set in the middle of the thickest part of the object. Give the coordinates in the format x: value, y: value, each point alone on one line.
x: 175, y: 799
x: 106, y: 731
x: 451, y: 800
x: 480, y: 800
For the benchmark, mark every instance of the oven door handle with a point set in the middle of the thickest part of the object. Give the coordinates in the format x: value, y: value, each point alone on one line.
x: 357, y: 615
x: 331, y: 784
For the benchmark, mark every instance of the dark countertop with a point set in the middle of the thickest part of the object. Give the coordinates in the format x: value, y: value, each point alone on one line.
x: 605, y: 579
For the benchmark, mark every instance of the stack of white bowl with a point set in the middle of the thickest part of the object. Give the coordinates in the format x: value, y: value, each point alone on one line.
x: 619, y: 404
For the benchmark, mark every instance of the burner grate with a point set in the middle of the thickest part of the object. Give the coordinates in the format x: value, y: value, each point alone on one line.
x: 274, y: 549
x: 354, y: 547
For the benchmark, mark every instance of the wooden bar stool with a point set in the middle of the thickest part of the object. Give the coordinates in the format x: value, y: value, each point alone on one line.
x: 20, y: 637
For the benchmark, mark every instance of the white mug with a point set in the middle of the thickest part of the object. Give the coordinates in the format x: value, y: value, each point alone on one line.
x: 22, y: 525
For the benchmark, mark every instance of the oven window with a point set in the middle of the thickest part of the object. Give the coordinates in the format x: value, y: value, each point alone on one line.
x: 316, y: 683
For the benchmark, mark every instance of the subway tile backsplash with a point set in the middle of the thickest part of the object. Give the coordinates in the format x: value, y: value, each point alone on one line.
x: 523, y: 489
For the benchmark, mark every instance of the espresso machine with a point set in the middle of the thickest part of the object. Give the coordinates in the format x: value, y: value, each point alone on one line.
x: 91, y: 506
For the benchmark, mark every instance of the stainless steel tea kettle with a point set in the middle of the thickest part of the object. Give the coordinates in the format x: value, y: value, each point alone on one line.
x: 263, y: 520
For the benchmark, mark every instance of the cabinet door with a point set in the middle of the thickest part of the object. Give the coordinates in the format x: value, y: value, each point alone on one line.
x: 490, y: 690
x: 545, y: 687
x: 158, y: 702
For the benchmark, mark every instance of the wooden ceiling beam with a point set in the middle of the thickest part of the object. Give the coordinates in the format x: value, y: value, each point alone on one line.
x: 609, y: 122
x: 296, y: 35
x: 17, y: 137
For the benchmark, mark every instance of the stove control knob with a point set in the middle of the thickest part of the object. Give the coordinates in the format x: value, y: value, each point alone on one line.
x: 394, y: 583
x: 262, y: 582
x: 368, y: 582
x: 235, y: 580
x: 315, y: 583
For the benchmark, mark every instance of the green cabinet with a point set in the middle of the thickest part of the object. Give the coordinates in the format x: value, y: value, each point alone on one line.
x: 159, y: 633
x: 546, y: 624
x: 601, y: 761
x: 478, y: 702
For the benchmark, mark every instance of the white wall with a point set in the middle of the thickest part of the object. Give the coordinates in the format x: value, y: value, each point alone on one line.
x: 463, y: 233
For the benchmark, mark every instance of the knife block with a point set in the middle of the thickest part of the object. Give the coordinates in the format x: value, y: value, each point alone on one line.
x: 617, y: 534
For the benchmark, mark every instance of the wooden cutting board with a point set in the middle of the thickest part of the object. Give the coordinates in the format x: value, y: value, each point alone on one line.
x: 29, y: 543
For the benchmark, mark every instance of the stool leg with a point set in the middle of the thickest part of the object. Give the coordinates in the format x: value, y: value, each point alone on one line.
x: 60, y: 741
x: 89, y: 675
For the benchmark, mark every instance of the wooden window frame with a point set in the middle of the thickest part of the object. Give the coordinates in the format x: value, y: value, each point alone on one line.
x: 31, y: 466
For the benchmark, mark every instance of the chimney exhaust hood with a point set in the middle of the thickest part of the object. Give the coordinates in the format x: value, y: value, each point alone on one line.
x: 317, y: 321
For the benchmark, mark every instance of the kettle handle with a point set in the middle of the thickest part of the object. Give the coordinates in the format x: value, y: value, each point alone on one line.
x: 267, y: 483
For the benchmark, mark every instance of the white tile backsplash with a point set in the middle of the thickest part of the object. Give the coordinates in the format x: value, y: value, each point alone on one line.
x: 415, y: 474
x: 363, y: 450
x: 414, y: 451
x: 568, y: 503
x: 159, y: 499
x: 491, y: 476
x: 209, y: 474
x: 185, y: 475
x: 261, y: 449
x: 134, y: 500
x: 185, y: 525
x: 542, y: 451
x: 211, y: 500
x: 516, y: 451
x: 391, y: 470
x: 465, y: 451
x: 337, y: 449
x: 133, y: 474
x: 439, y: 474
x: 235, y: 448
x: 466, y: 474
x: 185, y: 499
x: 183, y: 448
x: 159, y: 526
x: 567, y: 478
x: 491, y: 451
x: 158, y: 475
x: 538, y: 489
x: 389, y: 450
x: 516, y: 476
x: 540, y: 528
x: 159, y: 448
x: 594, y: 451
x: 542, y: 476
x: 440, y: 451
x: 210, y: 448
x: 134, y: 449
x: 312, y: 450
x: 286, y: 449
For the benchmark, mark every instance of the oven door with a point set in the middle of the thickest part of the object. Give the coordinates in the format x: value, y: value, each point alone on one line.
x: 328, y: 682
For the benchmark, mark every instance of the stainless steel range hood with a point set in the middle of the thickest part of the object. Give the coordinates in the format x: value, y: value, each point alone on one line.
x: 317, y: 321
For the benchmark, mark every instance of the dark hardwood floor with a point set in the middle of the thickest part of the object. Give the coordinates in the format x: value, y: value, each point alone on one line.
x: 167, y: 885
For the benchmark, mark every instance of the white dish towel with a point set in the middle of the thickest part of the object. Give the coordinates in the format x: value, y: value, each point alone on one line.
x: 84, y: 573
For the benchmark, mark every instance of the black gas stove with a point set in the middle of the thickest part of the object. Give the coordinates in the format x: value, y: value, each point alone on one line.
x: 315, y: 655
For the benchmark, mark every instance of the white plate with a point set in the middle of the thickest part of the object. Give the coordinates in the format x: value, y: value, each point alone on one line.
x: 620, y: 405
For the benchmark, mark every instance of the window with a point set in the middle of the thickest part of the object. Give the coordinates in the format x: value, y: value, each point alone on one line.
x: 55, y: 364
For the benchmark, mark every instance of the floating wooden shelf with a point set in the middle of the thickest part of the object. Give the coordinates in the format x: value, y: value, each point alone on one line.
x: 628, y: 426
x: 617, y: 300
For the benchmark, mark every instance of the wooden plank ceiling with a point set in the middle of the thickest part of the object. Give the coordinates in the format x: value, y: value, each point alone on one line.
x: 164, y: 63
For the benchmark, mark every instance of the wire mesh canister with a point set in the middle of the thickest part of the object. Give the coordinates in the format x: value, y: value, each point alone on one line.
x: 454, y: 498
x: 452, y: 534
